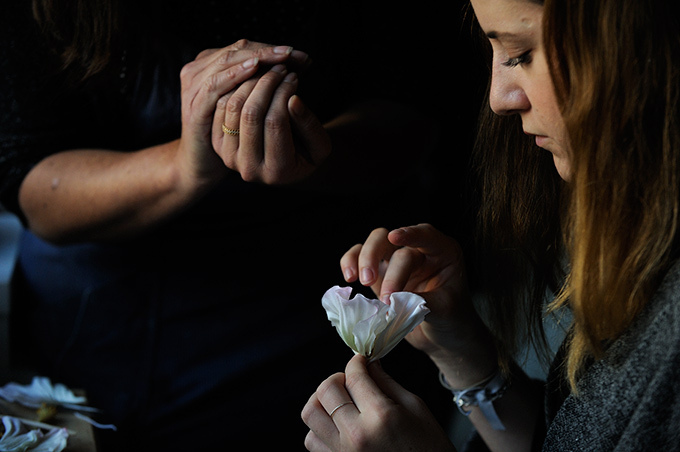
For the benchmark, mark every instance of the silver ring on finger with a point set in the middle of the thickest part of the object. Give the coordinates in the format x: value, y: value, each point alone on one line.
x: 338, y: 407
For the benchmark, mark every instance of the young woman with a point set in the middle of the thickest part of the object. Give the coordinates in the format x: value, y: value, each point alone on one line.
x: 596, y: 84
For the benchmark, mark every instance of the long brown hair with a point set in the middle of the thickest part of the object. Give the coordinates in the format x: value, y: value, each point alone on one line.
x: 616, y: 67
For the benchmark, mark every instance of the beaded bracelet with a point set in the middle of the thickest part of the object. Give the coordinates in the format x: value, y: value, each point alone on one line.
x: 481, y: 394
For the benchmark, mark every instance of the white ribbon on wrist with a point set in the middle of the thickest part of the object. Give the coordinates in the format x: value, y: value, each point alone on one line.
x: 482, y: 394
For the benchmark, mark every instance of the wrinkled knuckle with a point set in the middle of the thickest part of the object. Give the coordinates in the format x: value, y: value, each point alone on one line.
x: 248, y: 174
x: 384, y: 413
x: 241, y: 44
x: 306, y: 413
x: 268, y: 78
x: 351, y: 381
x: 250, y: 115
x: 186, y: 71
x: 211, y: 83
x: 225, y: 57
x: 275, y: 122
x: 235, y: 103
x: 260, y: 52
x: 312, y: 441
x: 222, y: 102
x: 323, y: 389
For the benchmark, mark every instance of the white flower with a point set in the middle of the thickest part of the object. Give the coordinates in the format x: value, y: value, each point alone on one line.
x: 42, y: 391
x: 16, y: 438
x: 371, y: 327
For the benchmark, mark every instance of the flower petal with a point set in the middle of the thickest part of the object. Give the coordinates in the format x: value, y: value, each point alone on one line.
x: 357, y: 320
x: 54, y: 441
x: 39, y: 391
x: 18, y: 438
x: 368, y: 326
x: 366, y: 331
x: 407, y: 310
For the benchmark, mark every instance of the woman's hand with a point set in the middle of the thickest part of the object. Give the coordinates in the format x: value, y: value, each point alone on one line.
x: 415, y: 259
x: 421, y: 259
x: 382, y: 416
x: 279, y: 139
x: 212, y: 75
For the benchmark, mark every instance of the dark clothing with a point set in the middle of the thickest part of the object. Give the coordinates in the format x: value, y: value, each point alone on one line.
x: 208, y: 330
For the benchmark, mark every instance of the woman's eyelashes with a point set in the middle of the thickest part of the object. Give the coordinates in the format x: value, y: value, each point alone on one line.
x: 524, y: 58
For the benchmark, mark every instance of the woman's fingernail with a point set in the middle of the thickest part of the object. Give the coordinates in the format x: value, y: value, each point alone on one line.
x: 290, y: 78
x: 280, y: 68
x: 299, y: 55
x: 296, y: 106
x: 250, y: 63
x: 366, y: 275
x: 348, y: 273
x: 282, y: 50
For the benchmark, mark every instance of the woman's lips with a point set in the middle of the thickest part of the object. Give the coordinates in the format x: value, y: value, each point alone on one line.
x: 541, y: 141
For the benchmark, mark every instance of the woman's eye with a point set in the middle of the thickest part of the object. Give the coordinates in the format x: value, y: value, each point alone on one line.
x: 524, y: 58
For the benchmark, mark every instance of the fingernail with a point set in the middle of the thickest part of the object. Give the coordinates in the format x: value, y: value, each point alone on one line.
x: 290, y: 78
x: 366, y: 275
x: 296, y: 106
x: 282, y: 50
x: 302, y: 56
x: 250, y: 63
x: 348, y: 273
x: 279, y: 68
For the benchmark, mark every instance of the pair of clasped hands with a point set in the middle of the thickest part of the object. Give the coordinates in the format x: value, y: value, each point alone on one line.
x: 382, y: 415
x: 249, y: 87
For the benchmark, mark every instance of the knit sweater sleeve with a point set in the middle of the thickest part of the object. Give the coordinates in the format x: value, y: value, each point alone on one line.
x: 629, y: 400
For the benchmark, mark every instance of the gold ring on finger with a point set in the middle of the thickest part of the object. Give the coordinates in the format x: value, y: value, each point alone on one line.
x: 228, y: 131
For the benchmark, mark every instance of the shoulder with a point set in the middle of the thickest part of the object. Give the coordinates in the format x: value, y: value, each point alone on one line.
x: 659, y: 324
x: 668, y: 296
x: 628, y: 399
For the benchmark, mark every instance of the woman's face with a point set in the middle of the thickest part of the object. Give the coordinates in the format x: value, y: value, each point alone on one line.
x: 520, y: 79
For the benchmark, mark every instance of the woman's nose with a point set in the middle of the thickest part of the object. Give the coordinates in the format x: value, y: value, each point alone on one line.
x: 506, y: 96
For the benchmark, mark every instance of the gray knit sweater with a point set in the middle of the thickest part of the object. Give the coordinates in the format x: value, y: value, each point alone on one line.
x: 630, y: 399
